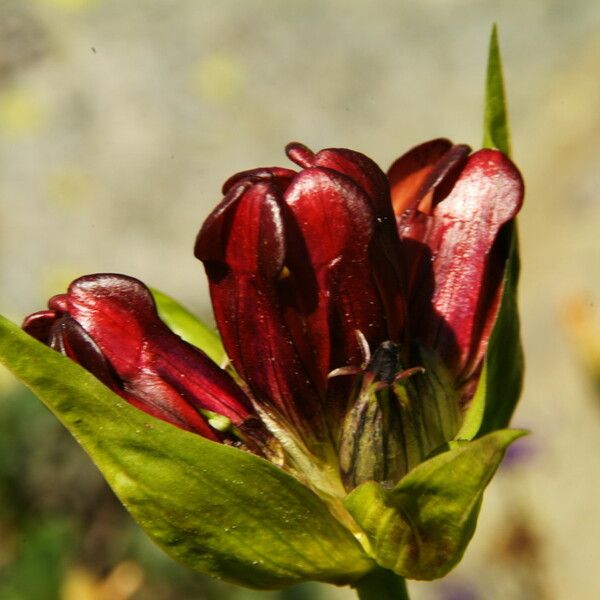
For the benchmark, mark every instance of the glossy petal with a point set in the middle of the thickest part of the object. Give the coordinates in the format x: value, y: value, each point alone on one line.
x: 456, y: 253
x: 38, y: 324
x: 331, y: 227
x: 68, y: 337
x: 417, y: 173
x: 108, y: 323
x: 362, y: 170
x: 277, y: 175
x: 242, y: 245
x: 385, y: 248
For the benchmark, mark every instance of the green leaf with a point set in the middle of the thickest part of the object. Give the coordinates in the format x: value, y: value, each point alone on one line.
x: 502, y: 375
x: 495, y: 117
x: 421, y: 528
x: 212, y: 507
x: 189, y: 328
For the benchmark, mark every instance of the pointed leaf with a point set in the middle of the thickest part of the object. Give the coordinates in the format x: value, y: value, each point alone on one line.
x: 188, y: 327
x: 502, y: 375
x: 495, y: 120
x: 212, y: 507
x: 421, y: 528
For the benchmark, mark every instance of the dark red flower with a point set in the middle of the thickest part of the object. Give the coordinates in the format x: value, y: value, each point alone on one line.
x: 108, y: 323
x: 451, y: 209
x: 303, y: 265
x: 355, y: 308
x: 293, y: 276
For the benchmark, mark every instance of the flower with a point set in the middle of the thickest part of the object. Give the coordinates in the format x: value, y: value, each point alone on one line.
x: 451, y: 209
x: 108, y: 324
x: 355, y: 309
x: 313, y: 272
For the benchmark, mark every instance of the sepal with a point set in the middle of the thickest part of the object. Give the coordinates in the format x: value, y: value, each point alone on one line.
x: 421, y: 528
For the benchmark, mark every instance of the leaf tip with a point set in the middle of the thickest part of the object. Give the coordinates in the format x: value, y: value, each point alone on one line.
x: 495, y: 121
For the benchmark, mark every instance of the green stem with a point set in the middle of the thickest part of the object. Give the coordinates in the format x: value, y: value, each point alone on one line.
x: 381, y: 584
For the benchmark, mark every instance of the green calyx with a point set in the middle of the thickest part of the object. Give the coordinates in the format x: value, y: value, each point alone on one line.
x: 393, y: 426
x: 420, y: 528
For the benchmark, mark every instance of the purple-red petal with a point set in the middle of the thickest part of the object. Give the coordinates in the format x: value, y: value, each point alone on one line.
x: 108, y: 323
x: 331, y: 229
x: 277, y: 175
x: 38, y: 324
x: 456, y: 259
x: 417, y: 174
x: 385, y: 247
x: 243, y: 247
x: 68, y: 337
x: 119, y: 314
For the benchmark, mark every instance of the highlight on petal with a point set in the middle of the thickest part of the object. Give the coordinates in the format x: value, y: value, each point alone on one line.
x: 330, y: 228
x: 276, y: 175
x: 385, y: 247
x: 418, y: 172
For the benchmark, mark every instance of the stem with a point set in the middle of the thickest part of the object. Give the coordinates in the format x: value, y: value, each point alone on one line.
x: 381, y: 584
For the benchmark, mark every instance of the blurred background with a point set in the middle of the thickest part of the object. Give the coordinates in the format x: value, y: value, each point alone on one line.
x: 118, y: 123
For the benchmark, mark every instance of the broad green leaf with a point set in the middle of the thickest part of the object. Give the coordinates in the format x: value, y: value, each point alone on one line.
x: 502, y: 376
x: 188, y: 327
x: 212, y: 507
x: 495, y: 117
x: 421, y: 528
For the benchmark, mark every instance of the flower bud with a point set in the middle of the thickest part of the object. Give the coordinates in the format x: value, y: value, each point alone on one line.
x: 109, y: 325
